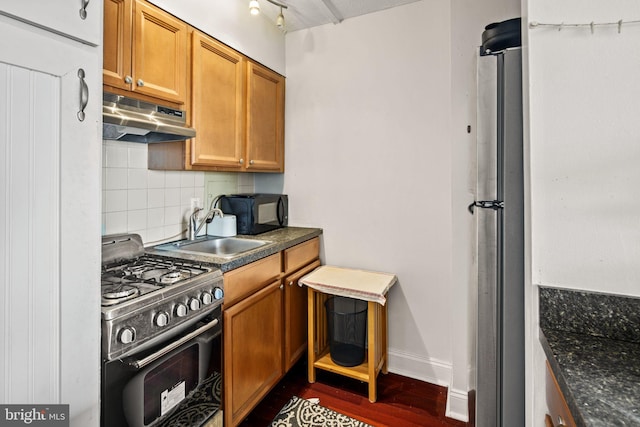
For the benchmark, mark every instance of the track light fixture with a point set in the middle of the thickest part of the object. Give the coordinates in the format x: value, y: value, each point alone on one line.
x: 280, y: 19
x: 254, y: 8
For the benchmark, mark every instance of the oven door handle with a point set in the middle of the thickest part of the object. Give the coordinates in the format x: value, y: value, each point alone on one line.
x: 138, y: 364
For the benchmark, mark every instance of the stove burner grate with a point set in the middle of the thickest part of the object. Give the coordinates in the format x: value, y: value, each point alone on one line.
x: 173, y: 277
x: 119, y: 292
x: 132, y: 278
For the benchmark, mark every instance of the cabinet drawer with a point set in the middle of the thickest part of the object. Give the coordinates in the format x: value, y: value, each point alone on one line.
x: 248, y: 279
x: 560, y: 413
x: 301, y: 254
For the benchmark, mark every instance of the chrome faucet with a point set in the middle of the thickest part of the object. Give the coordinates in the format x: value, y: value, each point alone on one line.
x: 194, y: 228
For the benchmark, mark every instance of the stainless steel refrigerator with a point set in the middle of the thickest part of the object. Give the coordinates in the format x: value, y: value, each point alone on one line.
x: 499, y: 210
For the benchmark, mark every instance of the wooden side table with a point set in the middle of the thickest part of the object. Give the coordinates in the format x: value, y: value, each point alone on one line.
x: 365, y: 285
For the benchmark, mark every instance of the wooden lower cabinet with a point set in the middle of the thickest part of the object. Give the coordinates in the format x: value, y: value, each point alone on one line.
x: 252, y: 351
x: 560, y: 414
x: 295, y: 311
x: 265, y: 326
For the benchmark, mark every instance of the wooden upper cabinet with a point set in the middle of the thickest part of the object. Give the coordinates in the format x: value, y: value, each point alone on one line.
x: 265, y: 119
x: 217, y: 104
x: 159, y: 54
x: 145, y: 50
x: 117, y: 43
x: 236, y: 105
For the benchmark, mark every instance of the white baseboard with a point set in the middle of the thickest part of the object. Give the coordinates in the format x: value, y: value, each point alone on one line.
x: 415, y: 366
x: 432, y: 371
x: 457, y: 405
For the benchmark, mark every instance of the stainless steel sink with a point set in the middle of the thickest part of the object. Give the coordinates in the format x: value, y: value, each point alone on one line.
x: 225, y: 247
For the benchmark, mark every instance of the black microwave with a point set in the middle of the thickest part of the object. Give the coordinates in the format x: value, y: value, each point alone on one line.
x: 256, y: 213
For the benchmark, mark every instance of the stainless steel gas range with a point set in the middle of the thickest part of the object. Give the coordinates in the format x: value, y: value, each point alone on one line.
x: 161, y: 328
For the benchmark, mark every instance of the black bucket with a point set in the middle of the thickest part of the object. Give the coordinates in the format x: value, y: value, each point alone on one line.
x: 347, y: 321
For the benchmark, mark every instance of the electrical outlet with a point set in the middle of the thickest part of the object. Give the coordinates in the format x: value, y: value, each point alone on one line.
x: 195, y: 203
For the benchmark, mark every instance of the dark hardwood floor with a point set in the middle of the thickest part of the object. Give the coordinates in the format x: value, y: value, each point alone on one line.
x: 402, y: 401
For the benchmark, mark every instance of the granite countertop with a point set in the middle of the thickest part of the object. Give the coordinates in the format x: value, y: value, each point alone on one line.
x: 592, y: 343
x: 279, y: 239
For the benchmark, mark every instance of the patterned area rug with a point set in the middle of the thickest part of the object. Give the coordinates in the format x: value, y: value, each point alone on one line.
x: 302, y: 413
x: 199, y: 406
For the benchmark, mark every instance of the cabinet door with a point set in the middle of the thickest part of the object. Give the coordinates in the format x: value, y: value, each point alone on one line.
x: 252, y: 351
x: 159, y: 54
x: 265, y: 119
x: 117, y: 43
x: 295, y: 312
x: 50, y: 220
x: 78, y: 20
x: 218, y: 106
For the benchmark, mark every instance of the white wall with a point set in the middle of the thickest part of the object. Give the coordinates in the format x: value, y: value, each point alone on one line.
x: 584, y: 144
x: 585, y: 101
x: 230, y: 22
x: 368, y: 159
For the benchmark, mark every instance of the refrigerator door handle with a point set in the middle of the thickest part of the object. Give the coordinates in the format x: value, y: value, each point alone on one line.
x: 486, y: 204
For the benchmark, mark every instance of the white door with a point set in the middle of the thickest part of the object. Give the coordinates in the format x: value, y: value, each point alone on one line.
x: 77, y: 19
x: 50, y: 220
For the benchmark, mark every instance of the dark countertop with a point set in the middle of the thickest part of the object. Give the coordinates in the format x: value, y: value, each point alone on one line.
x: 592, y: 343
x: 280, y: 239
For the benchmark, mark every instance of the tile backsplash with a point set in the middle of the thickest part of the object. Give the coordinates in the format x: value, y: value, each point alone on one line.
x: 155, y: 204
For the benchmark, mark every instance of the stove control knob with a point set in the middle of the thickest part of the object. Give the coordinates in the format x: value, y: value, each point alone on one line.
x: 194, y: 304
x: 127, y: 335
x: 180, y: 310
x: 217, y: 293
x: 161, y: 319
x: 206, y: 298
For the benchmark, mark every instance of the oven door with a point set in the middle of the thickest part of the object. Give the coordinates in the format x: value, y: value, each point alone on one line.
x: 177, y: 380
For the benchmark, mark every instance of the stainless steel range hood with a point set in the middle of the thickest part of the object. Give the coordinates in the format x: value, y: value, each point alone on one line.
x: 127, y: 119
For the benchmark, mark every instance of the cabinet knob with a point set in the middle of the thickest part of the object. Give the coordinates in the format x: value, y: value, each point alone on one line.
x: 251, y: 162
x: 128, y: 80
x: 281, y: 287
x: 140, y: 82
x: 241, y: 161
x: 291, y: 283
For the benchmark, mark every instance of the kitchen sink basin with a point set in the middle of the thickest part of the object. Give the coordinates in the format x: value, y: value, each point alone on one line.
x: 225, y: 247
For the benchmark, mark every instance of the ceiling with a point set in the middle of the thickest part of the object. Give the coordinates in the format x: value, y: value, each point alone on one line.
x: 301, y: 14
